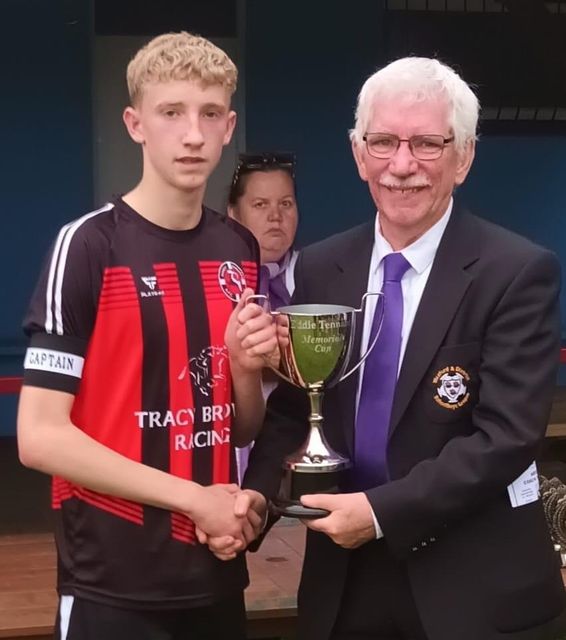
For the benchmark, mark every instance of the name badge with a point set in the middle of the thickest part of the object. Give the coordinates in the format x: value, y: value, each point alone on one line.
x: 525, y: 488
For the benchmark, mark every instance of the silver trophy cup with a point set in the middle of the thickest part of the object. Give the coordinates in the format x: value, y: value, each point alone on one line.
x: 315, y: 356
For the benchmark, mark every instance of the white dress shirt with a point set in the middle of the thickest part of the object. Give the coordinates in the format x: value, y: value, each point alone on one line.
x: 420, y: 255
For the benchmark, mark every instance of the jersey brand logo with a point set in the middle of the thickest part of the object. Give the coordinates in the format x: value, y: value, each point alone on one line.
x: 151, y: 284
x: 150, y: 281
x: 232, y: 280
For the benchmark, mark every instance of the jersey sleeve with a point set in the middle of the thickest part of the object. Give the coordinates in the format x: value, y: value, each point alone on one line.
x: 61, y: 314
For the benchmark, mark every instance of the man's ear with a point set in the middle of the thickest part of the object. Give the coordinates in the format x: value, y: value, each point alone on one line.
x: 465, y: 160
x: 358, y: 154
x: 231, y: 212
x: 133, y: 124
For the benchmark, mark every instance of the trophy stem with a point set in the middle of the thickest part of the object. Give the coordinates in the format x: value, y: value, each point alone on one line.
x: 316, y: 455
x: 315, y: 398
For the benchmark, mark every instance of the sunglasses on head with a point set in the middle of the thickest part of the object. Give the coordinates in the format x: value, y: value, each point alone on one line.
x: 261, y: 161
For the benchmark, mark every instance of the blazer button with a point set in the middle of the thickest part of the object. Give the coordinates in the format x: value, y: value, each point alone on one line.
x: 423, y: 543
x: 433, y: 539
x: 415, y: 549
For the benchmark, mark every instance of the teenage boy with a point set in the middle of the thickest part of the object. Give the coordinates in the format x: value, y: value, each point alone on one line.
x: 134, y: 372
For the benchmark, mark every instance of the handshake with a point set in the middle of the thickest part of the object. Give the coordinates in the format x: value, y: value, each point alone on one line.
x: 228, y: 518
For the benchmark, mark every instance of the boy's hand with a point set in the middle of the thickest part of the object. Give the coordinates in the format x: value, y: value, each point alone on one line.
x: 250, y: 336
x: 249, y: 505
x: 214, y: 514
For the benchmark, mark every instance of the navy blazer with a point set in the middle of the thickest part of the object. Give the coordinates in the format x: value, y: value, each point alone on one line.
x: 479, y: 568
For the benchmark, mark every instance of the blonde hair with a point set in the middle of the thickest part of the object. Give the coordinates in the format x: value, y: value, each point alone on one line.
x: 180, y: 56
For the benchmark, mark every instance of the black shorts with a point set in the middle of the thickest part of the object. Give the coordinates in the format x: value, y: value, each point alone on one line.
x: 79, y: 619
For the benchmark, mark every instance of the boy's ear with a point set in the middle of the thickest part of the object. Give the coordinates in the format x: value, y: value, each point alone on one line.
x: 133, y: 124
x: 230, y: 125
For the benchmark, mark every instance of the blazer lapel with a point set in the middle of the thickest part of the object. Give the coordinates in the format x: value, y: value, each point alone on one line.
x: 447, y: 284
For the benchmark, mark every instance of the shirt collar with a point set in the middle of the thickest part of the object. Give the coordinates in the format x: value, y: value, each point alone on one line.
x: 421, y: 252
x: 275, y: 268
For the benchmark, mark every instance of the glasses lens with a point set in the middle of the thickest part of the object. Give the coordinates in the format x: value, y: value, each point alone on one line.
x: 385, y: 145
x: 258, y: 161
x: 427, y: 147
x: 251, y: 161
x: 381, y: 145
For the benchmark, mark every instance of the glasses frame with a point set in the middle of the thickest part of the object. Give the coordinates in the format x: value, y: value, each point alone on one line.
x: 409, y: 141
x: 248, y: 162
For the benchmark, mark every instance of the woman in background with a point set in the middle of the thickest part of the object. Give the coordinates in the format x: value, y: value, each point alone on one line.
x: 262, y: 198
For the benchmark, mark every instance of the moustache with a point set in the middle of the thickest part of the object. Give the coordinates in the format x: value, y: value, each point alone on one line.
x: 414, y: 182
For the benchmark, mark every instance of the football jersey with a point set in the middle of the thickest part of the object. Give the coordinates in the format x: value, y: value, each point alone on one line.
x: 130, y: 318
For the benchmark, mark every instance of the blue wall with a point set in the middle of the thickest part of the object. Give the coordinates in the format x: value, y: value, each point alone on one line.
x: 305, y: 63
x: 46, y: 175
x: 520, y: 184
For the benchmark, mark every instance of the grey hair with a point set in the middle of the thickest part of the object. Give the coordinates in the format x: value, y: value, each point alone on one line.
x: 420, y: 79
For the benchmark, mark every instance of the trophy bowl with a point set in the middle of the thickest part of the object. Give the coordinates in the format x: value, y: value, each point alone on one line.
x: 315, y: 357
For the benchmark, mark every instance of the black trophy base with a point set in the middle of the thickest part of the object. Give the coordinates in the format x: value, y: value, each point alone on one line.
x: 294, y: 509
x: 295, y: 485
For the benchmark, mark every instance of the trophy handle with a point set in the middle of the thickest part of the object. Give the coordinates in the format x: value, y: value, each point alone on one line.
x: 264, y: 299
x: 374, y: 342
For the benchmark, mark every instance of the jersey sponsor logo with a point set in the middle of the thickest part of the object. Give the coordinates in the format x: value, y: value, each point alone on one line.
x: 451, y: 387
x: 54, y: 361
x: 210, y: 359
x: 151, y: 287
x: 184, y: 417
x: 232, y: 280
x: 201, y: 439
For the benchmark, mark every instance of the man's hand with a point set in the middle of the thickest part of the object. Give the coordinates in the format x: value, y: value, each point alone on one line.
x: 249, y: 505
x: 250, y: 336
x: 350, y: 523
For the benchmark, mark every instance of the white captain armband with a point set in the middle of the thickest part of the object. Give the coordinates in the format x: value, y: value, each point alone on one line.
x: 52, y: 361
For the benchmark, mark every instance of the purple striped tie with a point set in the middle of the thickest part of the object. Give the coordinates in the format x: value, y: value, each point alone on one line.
x: 379, y: 380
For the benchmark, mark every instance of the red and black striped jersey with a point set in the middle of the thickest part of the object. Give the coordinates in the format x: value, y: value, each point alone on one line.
x: 130, y: 318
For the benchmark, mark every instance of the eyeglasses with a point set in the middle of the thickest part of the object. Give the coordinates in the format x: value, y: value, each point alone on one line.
x: 423, y: 147
x: 261, y: 161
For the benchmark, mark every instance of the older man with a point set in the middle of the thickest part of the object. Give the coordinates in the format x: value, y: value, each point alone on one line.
x: 439, y: 533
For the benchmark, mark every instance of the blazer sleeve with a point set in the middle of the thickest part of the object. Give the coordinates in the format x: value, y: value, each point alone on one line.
x: 517, y: 373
